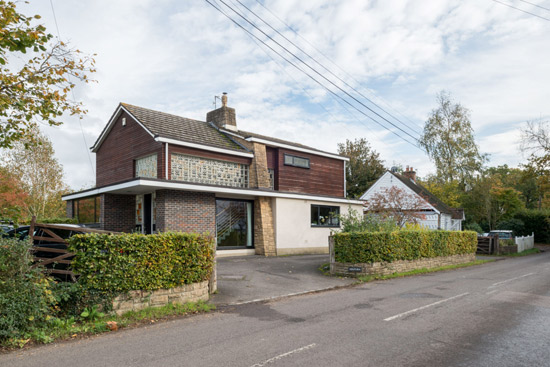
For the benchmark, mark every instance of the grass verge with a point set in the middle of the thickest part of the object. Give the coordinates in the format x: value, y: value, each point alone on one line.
x: 523, y: 253
x: 370, y: 278
x: 71, y: 328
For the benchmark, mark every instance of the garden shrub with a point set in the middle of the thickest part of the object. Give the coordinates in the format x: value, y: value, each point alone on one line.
x: 369, y: 247
x: 125, y: 262
x: 26, y: 297
x: 537, y: 221
x: 473, y: 226
x: 354, y: 221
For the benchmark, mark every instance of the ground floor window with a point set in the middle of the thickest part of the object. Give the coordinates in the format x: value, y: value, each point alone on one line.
x: 325, y: 216
x: 87, y: 210
x: 234, y: 223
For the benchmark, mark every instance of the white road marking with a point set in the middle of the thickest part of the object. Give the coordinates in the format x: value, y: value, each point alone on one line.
x: 493, y: 291
x: 509, y: 280
x: 423, y: 307
x: 280, y: 356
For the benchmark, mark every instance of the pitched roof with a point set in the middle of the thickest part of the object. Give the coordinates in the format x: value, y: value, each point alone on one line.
x: 183, y: 129
x: 247, y: 134
x: 424, y: 193
x: 171, y: 126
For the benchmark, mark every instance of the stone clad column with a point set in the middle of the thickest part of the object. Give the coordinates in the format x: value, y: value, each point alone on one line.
x: 264, y: 234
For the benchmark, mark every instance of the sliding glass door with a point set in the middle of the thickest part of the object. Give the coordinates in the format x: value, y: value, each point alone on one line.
x: 234, y: 223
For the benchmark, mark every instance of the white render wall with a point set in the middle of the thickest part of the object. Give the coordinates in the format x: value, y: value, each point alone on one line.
x: 292, y: 224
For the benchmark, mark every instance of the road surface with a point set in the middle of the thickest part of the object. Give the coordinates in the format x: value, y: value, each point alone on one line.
x: 496, y: 314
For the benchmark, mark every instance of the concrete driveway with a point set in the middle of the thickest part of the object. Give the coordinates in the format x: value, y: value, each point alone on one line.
x: 251, y: 278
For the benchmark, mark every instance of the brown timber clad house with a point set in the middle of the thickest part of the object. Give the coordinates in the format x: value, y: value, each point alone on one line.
x: 160, y: 172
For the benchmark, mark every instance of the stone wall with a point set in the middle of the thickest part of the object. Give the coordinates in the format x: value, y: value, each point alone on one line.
x: 264, y: 234
x: 138, y: 300
x: 383, y: 268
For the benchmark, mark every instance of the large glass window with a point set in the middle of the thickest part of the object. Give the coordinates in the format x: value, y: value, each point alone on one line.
x: 234, y: 223
x: 292, y: 160
x: 325, y: 216
x: 87, y: 210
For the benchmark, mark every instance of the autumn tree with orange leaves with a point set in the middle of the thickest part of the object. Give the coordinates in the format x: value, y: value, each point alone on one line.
x: 397, y: 204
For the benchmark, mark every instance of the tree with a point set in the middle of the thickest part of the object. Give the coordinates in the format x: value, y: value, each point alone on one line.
x: 397, y: 204
x: 448, y: 192
x: 364, y: 166
x: 535, y: 140
x: 40, y: 174
x: 13, y: 199
x: 35, y: 76
x: 449, y: 140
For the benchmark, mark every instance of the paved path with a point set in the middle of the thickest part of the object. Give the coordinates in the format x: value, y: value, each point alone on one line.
x: 247, y: 278
x: 496, y: 314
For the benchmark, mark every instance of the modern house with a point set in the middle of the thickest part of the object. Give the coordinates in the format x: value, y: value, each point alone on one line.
x: 257, y: 194
x: 432, y: 212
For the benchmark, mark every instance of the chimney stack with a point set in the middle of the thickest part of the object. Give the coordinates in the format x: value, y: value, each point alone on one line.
x: 223, y: 117
x: 410, y: 174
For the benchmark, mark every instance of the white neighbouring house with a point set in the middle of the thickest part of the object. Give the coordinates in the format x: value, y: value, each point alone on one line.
x: 434, y: 214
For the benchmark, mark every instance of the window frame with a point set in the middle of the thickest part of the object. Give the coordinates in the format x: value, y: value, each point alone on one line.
x: 331, y: 217
x: 293, y: 164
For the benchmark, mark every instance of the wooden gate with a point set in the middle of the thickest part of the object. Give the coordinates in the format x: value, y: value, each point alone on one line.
x: 50, y: 246
x: 487, y: 245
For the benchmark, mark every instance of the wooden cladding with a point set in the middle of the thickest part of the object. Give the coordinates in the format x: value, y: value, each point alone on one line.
x: 115, y: 158
x: 325, y: 176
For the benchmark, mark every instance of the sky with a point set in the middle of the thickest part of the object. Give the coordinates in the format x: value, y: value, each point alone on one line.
x: 397, y: 55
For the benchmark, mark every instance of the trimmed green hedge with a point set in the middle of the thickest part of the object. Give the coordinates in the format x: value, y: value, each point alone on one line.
x: 370, y: 247
x: 125, y: 262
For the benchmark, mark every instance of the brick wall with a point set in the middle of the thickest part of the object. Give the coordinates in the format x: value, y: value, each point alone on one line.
x: 186, y: 211
x: 118, y: 212
x: 69, y: 211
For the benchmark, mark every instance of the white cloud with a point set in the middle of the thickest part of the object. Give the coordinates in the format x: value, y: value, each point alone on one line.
x: 176, y: 56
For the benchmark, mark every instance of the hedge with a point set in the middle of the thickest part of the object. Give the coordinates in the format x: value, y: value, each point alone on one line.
x: 370, y: 247
x: 125, y: 262
x: 537, y: 221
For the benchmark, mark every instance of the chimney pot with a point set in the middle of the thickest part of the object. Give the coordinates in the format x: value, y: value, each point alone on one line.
x: 224, y: 99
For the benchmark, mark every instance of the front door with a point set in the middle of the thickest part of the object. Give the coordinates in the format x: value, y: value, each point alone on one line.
x: 147, y: 213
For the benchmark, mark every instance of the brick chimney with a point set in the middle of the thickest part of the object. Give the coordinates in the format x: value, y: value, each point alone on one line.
x: 223, y: 117
x: 410, y: 173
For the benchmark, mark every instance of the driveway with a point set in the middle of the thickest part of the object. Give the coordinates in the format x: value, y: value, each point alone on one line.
x: 251, y: 278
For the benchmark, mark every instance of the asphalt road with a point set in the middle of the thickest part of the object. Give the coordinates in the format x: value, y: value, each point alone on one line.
x: 497, y: 314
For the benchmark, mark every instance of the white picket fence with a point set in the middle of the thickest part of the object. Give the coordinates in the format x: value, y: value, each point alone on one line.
x: 525, y: 242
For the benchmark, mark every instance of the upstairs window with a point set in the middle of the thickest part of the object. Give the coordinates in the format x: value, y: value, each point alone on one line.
x: 292, y: 160
x: 325, y: 216
x: 147, y: 166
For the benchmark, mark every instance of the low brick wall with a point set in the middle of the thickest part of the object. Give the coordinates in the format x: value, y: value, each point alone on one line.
x: 505, y: 250
x: 137, y: 300
x: 382, y: 268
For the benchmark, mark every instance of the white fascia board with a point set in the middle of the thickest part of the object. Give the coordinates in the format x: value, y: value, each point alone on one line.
x: 112, y: 122
x: 298, y: 149
x: 203, y: 147
x: 159, y: 185
x: 79, y: 195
